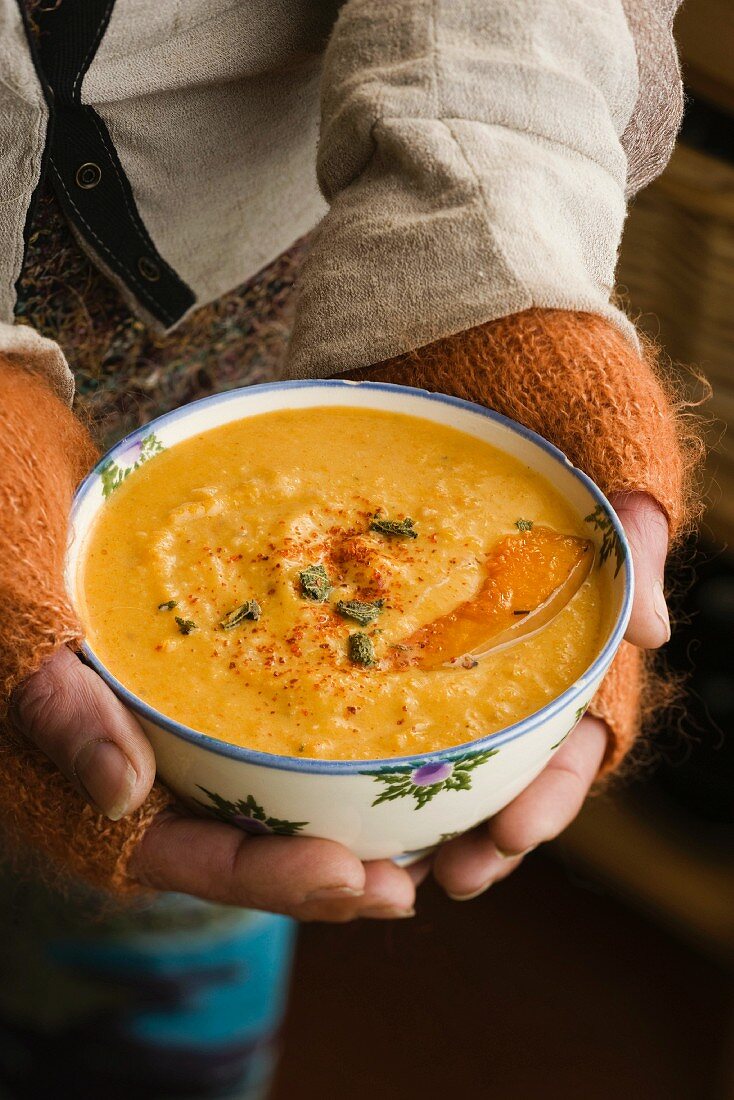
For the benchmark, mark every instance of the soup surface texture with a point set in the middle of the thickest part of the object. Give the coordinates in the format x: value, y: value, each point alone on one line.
x: 276, y: 583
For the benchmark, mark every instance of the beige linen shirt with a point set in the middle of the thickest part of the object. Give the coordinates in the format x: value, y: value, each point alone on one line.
x: 461, y: 159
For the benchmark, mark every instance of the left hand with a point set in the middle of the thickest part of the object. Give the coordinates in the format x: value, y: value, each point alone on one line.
x: 467, y: 866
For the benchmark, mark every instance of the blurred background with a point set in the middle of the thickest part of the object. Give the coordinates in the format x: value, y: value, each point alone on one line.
x: 604, y: 967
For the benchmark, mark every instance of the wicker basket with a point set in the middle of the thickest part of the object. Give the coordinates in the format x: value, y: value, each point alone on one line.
x: 677, y: 269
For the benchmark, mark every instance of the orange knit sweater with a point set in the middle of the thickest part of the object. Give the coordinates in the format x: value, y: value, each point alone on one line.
x: 572, y: 377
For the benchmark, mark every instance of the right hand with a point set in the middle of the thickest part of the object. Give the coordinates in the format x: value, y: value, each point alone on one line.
x: 71, y: 714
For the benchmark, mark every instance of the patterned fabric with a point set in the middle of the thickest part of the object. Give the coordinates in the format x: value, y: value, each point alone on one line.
x: 127, y: 374
x: 182, y: 999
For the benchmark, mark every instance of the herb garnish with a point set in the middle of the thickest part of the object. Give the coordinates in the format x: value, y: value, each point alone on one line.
x: 249, y: 610
x: 361, y: 650
x: 167, y: 606
x: 395, y: 527
x: 185, y: 625
x: 524, y: 524
x: 362, y: 613
x: 315, y: 583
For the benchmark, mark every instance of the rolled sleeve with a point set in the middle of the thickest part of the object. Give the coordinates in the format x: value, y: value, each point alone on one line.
x: 471, y: 156
x: 22, y: 346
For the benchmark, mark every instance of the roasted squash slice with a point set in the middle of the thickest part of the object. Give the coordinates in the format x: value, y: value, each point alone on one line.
x: 530, y: 577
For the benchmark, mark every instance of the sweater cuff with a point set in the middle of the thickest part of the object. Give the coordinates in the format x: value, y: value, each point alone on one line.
x: 617, y: 704
x: 572, y: 378
x: 43, y: 816
x: 44, y: 451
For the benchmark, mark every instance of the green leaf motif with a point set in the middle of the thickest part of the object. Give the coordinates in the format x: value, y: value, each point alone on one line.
x: 248, y: 815
x: 611, y: 542
x: 577, y: 718
x: 411, y: 782
x: 112, y: 475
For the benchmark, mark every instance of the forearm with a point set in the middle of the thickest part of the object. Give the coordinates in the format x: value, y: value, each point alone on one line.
x: 44, y: 451
x: 476, y: 163
x: 22, y: 348
x: 576, y: 380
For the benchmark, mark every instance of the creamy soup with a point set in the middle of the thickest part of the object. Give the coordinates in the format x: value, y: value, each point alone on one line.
x: 340, y: 583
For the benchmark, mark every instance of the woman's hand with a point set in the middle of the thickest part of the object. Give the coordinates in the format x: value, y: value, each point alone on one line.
x: 470, y: 864
x: 71, y: 714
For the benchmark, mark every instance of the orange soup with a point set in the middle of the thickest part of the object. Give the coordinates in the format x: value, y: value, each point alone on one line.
x: 340, y: 583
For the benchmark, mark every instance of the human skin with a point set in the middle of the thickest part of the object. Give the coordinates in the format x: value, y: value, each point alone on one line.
x: 68, y: 711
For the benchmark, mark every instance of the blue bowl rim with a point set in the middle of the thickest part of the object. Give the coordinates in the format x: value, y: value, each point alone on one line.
x: 352, y: 767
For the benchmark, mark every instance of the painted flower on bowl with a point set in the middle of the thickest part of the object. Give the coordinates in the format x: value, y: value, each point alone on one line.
x: 427, y: 780
x: 139, y: 451
x: 131, y: 454
x: 248, y: 815
x: 428, y: 774
x: 250, y: 824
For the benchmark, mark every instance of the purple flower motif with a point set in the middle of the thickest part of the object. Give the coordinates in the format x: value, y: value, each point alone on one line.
x: 251, y: 825
x: 423, y: 783
x: 428, y: 774
x: 131, y: 454
x: 248, y: 815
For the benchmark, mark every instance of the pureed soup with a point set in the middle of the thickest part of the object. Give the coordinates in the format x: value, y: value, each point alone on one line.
x: 341, y: 583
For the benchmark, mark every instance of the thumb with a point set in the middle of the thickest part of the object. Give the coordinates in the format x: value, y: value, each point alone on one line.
x: 646, y: 527
x: 82, y: 726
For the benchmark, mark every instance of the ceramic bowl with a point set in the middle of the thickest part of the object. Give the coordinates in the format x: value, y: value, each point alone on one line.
x: 400, y: 807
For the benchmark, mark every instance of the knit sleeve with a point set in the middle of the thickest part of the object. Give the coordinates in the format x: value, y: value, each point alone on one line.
x: 44, y: 451
x: 22, y: 346
x: 471, y: 153
x: 573, y: 378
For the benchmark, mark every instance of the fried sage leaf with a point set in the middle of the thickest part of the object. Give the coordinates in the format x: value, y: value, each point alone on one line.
x: 185, y: 625
x: 249, y: 610
x: 401, y: 528
x: 315, y: 583
x: 362, y: 613
x: 361, y: 650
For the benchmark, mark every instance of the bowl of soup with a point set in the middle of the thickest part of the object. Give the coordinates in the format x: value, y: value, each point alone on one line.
x: 355, y: 611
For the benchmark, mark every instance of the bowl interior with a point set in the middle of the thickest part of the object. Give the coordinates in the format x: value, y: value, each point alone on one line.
x: 530, y: 449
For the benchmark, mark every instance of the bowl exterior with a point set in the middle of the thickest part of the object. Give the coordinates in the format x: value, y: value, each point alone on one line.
x: 396, y: 812
x: 391, y: 808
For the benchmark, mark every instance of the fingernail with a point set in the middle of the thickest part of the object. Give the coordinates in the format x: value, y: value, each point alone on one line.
x: 333, y: 893
x: 469, y: 897
x: 386, y: 912
x: 106, y: 776
x: 661, y: 607
x: 514, y: 855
